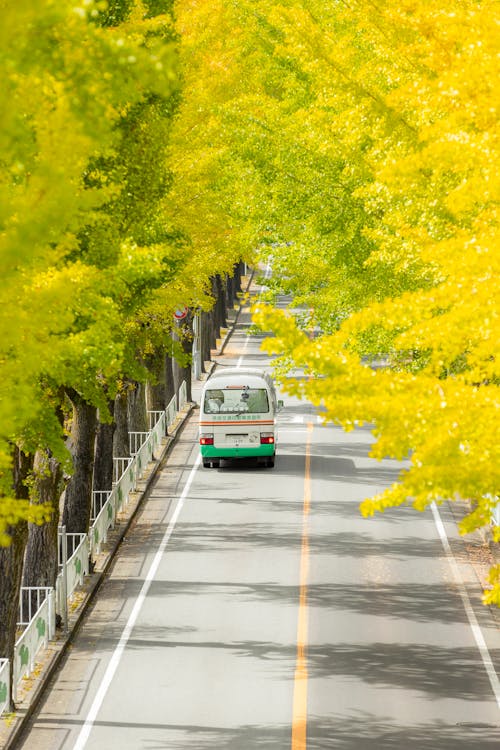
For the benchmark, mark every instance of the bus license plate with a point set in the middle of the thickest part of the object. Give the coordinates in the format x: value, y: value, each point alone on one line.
x: 236, y: 439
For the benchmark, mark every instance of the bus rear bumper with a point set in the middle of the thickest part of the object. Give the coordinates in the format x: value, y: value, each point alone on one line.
x: 214, y: 453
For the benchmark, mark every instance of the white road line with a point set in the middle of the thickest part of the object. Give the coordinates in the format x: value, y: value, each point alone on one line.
x: 127, y: 631
x: 476, y: 630
x: 302, y: 419
x: 242, y: 357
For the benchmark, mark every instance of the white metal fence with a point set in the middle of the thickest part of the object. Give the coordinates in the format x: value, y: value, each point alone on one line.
x: 31, y: 598
x: 182, y: 395
x: 171, y: 411
x: 4, y: 685
x: 104, y: 520
x: 126, y: 483
x: 145, y: 447
x: 38, y: 605
x: 120, y: 465
x: 99, y: 500
x: 158, y: 430
x: 39, y: 627
x: 154, y: 417
x: 73, y: 560
x: 136, y: 440
x: 144, y: 455
x: 77, y: 565
x: 495, y: 510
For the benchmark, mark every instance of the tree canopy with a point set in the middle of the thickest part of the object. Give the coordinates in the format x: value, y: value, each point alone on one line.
x: 148, y: 146
x: 91, y: 269
x: 404, y: 97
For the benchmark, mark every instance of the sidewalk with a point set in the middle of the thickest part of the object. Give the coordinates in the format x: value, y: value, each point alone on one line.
x: 32, y: 689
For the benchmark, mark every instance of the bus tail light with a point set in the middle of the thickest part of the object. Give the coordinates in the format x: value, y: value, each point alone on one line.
x: 207, y: 439
x: 266, y: 438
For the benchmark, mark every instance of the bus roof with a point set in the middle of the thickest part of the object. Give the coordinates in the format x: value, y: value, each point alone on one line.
x: 238, y: 374
x: 224, y: 371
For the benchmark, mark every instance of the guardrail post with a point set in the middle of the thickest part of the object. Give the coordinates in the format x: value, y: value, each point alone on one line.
x: 64, y: 579
x: 170, y: 412
x: 52, y: 614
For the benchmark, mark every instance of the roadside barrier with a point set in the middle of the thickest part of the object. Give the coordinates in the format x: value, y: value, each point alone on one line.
x: 73, y: 559
x: 144, y: 454
x: 4, y: 685
x: 38, y: 606
x: 158, y: 429
x: 171, y: 411
x: 39, y: 623
x: 136, y: 440
x: 495, y: 515
x: 182, y: 396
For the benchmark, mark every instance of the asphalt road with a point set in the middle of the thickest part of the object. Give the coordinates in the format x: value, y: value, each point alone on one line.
x: 254, y: 609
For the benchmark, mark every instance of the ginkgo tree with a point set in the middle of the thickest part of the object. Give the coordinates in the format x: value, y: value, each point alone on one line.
x: 355, y: 143
x: 371, y: 158
x: 79, y: 246
x: 410, y: 94
x: 97, y: 254
x: 59, y: 112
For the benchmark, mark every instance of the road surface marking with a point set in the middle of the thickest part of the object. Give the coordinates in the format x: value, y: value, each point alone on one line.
x: 476, y: 630
x: 247, y: 339
x: 299, y: 717
x: 127, y: 631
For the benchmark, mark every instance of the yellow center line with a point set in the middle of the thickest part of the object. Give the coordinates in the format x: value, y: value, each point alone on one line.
x: 299, y: 717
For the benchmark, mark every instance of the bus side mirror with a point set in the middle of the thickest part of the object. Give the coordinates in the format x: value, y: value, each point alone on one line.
x: 280, y: 404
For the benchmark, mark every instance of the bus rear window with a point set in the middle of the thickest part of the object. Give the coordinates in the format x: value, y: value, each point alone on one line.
x: 236, y: 401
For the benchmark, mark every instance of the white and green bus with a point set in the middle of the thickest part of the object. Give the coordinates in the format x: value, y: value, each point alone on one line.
x: 238, y: 416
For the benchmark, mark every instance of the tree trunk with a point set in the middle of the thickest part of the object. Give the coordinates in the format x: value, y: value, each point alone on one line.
x: 78, y: 496
x: 40, y: 563
x: 213, y: 317
x: 184, y: 336
x: 230, y: 291
x: 121, y: 447
x: 213, y: 330
x: 156, y: 388
x: 176, y: 374
x: 204, y: 340
x: 11, y: 563
x: 220, y: 303
x: 137, y: 413
x: 103, y: 461
x: 169, y: 380
x: 185, y: 372
x: 238, y: 272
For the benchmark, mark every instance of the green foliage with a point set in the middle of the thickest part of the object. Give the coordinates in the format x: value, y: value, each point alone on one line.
x: 405, y: 265
x: 82, y: 175
x: 350, y: 145
x: 114, y: 12
x: 157, y: 7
